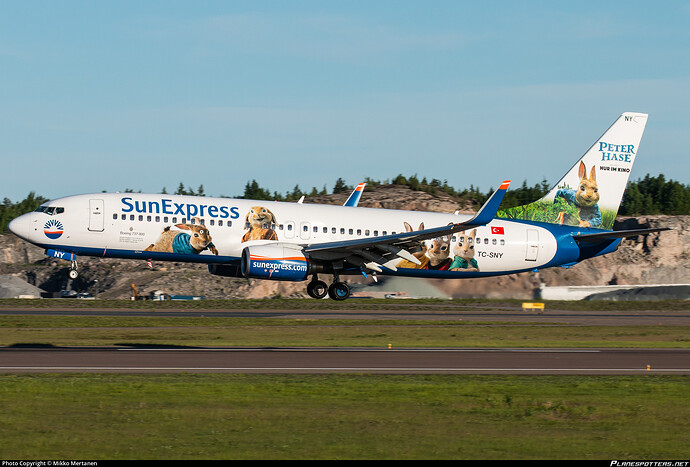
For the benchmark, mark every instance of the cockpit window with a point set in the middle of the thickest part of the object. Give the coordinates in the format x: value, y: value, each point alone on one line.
x: 50, y: 210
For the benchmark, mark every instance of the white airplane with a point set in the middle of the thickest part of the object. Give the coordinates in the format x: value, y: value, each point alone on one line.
x: 295, y: 241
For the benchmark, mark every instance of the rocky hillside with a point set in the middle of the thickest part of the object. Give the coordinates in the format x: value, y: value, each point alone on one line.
x: 661, y: 258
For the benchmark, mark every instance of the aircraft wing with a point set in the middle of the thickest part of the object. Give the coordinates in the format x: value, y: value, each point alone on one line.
x: 373, y: 253
x: 353, y: 199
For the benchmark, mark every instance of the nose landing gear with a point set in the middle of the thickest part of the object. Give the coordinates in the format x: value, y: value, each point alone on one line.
x: 73, y: 272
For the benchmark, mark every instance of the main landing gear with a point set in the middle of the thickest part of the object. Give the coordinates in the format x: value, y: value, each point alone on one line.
x: 337, y: 290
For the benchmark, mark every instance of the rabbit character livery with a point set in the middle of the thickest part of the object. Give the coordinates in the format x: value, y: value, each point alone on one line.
x: 438, y: 254
x: 177, y: 241
x: 585, y: 198
x: 464, y: 255
x: 419, y: 252
x: 259, y: 223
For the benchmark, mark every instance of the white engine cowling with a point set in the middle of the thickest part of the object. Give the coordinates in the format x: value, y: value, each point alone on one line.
x: 274, y: 262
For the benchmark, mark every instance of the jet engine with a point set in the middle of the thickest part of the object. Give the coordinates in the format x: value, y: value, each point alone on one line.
x: 276, y: 262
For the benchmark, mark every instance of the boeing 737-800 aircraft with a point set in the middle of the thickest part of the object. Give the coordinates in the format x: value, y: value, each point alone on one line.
x: 295, y: 241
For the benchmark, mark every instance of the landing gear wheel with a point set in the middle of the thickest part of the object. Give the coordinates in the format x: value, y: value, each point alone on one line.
x: 339, y: 291
x: 317, y: 289
x: 73, y: 274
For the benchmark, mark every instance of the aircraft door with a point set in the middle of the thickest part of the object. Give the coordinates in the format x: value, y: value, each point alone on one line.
x: 96, y: 216
x: 532, y: 245
x: 304, y: 230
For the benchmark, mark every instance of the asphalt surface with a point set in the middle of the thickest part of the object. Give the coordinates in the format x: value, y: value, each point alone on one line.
x: 480, y: 313
x: 361, y: 360
x: 346, y: 360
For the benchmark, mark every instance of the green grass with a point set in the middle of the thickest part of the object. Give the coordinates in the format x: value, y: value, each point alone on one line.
x: 359, y: 416
x: 284, y: 332
x: 343, y: 417
x: 352, y: 304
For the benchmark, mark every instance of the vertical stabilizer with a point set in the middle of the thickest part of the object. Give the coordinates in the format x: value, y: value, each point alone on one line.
x: 590, y: 193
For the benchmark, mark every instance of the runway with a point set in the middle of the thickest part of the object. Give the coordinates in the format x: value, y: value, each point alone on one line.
x: 479, y: 313
x: 346, y: 360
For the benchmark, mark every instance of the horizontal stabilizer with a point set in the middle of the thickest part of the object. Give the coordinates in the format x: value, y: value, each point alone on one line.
x: 605, y: 236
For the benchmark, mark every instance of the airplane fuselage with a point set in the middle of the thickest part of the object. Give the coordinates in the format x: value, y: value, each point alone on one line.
x: 125, y: 225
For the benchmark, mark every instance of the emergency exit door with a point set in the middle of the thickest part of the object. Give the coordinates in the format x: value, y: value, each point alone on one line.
x: 532, y: 245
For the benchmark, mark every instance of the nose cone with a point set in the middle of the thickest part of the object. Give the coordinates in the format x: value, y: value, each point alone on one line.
x: 20, y: 226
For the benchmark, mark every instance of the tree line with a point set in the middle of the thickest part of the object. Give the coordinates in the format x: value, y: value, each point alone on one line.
x: 646, y: 196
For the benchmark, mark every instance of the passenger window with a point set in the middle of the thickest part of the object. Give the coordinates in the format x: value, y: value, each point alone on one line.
x: 486, y: 241
x: 212, y: 222
x: 141, y: 218
x: 306, y: 229
x: 115, y: 216
x: 148, y: 218
x: 359, y: 231
x: 333, y: 230
x: 220, y: 223
x: 174, y: 220
x: 165, y: 219
x: 325, y: 230
x: 131, y: 217
x: 289, y: 226
x: 342, y: 231
x: 158, y: 218
x: 493, y: 241
x: 376, y: 233
x: 503, y: 242
x: 229, y: 223
x: 123, y: 217
x: 384, y: 233
x: 366, y: 232
x: 351, y: 231
x: 316, y: 229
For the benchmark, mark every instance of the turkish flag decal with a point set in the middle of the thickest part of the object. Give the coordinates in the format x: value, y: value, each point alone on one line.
x: 497, y: 230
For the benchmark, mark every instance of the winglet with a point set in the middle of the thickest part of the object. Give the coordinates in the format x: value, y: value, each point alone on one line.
x: 487, y: 212
x: 356, y: 194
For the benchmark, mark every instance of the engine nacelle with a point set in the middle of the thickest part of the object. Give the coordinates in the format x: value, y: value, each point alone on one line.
x: 275, y: 262
x: 225, y: 270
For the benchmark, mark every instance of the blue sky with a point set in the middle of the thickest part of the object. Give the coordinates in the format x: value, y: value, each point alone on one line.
x: 144, y: 95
